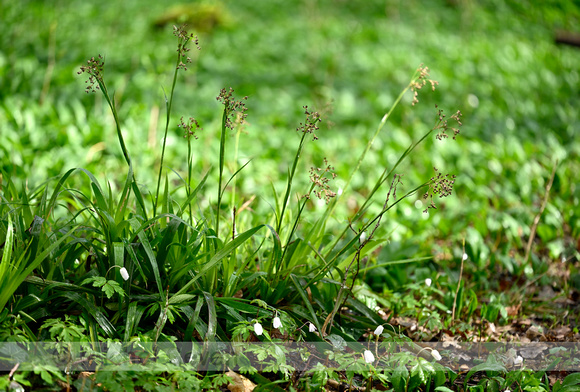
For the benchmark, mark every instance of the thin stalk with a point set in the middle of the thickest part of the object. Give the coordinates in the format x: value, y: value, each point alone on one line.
x: 458, y: 284
x: 289, y: 184
x: 111, y: 103
x: 348, y: 245
x: 382, y: 179
x: 168, y: 105
x: 294, y: 227
x: 221, y: 169
x: 372, y: 140
x: 189, y: 170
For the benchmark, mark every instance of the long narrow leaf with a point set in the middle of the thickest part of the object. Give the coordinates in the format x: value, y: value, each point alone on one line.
x: 134, y: 314
x: 221, y: 254
x: 5, y: 266
x: 306, y: 301
x: 18, y: 277
x: 212, y: 319
x: 101, y: 319
x: 149, y: 252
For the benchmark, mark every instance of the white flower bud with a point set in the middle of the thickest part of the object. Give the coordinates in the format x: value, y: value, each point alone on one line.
x: 428, y: 282
x: 436, y: 355
x: 258, y: 330
x: 519, y: 360
x: 124, y: 273
x: 464, y: 256
x: 277, y: 323
x: 363, y: 237
x: 311, y: 327
x: 369, y: 357
x: 379, y: 330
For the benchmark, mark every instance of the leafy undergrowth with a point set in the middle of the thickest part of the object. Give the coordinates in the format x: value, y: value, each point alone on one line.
x: 222, y: 262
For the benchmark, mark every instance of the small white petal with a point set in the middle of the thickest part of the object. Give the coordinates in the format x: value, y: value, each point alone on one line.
x: 519, y: 360
x: 379, y: 330
x: 311, y: 327
x: 369, y: 357
x: 436, y: 355
x: 277, y: 323
x: 124, y: 273
x: 258, y: 330
x: 428, y: 282
x: 464, y: 256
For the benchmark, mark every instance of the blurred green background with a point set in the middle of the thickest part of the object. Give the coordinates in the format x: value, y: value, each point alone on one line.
x: 496, y: 61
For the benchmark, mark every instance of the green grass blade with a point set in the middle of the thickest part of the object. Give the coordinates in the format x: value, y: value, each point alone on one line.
x: 5, y: 263
x: 212, y: 317
x: 149, y: 252
x: 101, y: 319
x: 124, y: 199
x: 305, y: 299
x: 134, y: 314
x: 221, y: 254
x: 119, y: 257
x: 395, y: 262
x: 18, y: 275
x: 221, y: 168
x: 194, y: 193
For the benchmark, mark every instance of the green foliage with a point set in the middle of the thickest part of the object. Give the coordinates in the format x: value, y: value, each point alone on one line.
x: 207, y: 251
x: 109, y: 287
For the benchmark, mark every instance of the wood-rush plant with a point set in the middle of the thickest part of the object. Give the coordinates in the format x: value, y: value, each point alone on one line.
x: 171, y: 262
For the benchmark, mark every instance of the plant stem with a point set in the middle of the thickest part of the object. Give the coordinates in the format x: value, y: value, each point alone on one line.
x: 289, y: 184
x: 221, y: 169
x: 168, y: 105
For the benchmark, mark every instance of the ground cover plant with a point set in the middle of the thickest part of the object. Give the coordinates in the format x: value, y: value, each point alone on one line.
x: 209, y: 230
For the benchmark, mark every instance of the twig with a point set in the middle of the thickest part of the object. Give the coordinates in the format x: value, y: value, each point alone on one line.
x: 539, y: 215
x: 13, y: 371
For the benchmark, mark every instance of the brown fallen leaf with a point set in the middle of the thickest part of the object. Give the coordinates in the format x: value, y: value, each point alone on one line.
x: 239, y: 383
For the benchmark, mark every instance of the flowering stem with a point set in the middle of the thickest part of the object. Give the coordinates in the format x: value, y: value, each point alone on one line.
x: 168, y: 105
x: 221, y: 168
x: 289, y: 184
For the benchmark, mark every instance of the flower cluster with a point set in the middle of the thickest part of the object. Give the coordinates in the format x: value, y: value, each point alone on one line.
x: 442, y: 125
x: 310, y: 124
x: 441, y: 185
x: 189, y: 127
x: 95, y: 68
x: 183, y: 38
x: 232, y: 106
x: 420, y: 81
x: 321, y: 186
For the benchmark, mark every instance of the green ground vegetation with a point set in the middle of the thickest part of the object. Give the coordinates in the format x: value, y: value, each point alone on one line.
x: 409, y: 165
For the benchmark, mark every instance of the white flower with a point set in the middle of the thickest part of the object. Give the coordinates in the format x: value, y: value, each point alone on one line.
x: 276, y: 323
x: 124, y: 273
x: 464, y: 256
x: 369, y: 357
x: 311, y: 327
x: 436, y: 355
x: 428, y: 282
x: 519, y: 360
x: 258, y: 330
x: 379, y: 330
x: 363, y: 237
